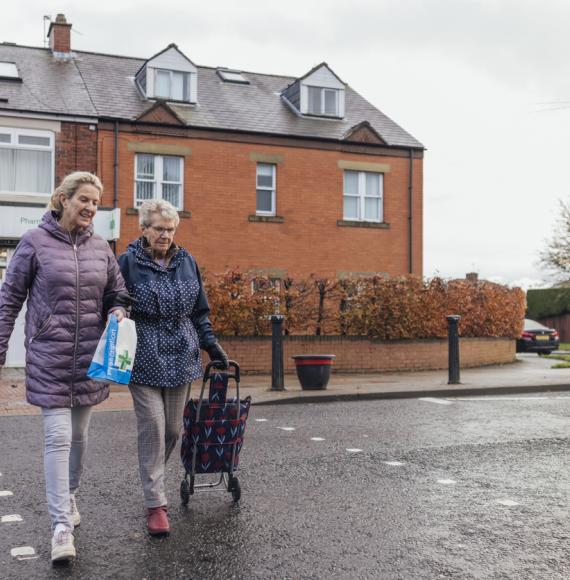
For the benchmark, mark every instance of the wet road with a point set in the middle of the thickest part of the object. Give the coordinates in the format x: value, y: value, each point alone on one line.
x: 433, y: 488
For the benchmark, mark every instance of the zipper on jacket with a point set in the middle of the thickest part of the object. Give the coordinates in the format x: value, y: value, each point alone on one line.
x: 42, y: 328
x: 74, y: 244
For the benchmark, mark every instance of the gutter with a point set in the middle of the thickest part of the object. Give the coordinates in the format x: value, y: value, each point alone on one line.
x: 116, y: 175
x: 410, y: 211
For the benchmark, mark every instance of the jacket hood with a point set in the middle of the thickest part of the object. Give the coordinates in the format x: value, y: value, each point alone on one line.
x: 143, y: 256
x: 51, y: 225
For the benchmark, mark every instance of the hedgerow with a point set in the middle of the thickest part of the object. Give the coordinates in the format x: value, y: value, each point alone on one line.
x: 406, y: 307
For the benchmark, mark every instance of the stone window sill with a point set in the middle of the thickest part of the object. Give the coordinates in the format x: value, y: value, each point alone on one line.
x: 135, y: 211
x: 275, y: 219
x: 358, y: 224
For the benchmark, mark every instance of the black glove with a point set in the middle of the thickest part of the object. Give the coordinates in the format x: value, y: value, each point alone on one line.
x: 217, y: 353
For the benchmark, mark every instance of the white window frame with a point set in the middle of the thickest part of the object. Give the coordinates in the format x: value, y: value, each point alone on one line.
x: 15, y: 133
x: 159, y: 171
x: 322, y: 112
x: 361, y: 196
x: 186, y: 97
x: 272, y: 189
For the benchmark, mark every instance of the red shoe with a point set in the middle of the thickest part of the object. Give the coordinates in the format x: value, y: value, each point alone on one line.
x: 157, y: 521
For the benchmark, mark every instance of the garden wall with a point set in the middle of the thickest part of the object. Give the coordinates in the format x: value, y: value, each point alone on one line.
x: 356, y: 354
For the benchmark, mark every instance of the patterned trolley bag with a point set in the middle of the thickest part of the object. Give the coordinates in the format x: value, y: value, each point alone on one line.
x: 213, y: 433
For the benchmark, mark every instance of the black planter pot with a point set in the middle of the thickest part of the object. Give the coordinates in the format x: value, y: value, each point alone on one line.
x: 313, y: 370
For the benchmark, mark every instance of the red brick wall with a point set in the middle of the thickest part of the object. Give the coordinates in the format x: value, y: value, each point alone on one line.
x: 220, y: 193
x: 75, y: 150
x: 355, y: 354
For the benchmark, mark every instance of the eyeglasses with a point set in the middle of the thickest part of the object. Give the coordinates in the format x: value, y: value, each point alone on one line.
x: 160, y: 230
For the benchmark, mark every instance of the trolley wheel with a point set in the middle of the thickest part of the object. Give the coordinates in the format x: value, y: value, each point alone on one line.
x: 185, y: 492
x: 235, y: 489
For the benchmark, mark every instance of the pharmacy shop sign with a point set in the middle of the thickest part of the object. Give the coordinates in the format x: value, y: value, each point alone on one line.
x: 15, y: 220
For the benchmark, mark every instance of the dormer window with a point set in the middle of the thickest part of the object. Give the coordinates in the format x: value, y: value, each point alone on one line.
x: 319, y: 93
x: 323, y: 101
x: 172, y: 85
x: 169, y: 75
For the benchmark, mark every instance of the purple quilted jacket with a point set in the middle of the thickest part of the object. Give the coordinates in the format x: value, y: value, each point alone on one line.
x: 67, y: 285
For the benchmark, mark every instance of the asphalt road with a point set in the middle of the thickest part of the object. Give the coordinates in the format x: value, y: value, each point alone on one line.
x: 408, y: 489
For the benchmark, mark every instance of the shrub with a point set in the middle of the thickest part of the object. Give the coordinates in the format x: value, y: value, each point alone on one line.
x: 405, y: 307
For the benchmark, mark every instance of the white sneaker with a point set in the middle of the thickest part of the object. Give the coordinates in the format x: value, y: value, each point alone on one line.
x: 62, y: 547
x: 76, y: 518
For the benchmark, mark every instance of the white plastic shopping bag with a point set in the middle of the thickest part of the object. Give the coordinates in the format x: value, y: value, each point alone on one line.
x: 115, y: 355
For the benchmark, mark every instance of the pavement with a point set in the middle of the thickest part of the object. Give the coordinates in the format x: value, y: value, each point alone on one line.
x: 529, y: 374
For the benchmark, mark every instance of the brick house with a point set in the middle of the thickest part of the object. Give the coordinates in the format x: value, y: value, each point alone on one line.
x: 261, y: 167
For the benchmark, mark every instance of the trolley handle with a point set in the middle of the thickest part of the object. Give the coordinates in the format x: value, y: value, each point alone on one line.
x: 218, y: 364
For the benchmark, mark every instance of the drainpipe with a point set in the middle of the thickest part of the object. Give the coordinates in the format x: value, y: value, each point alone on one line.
x: 410, y: 201
x: 116, y: 177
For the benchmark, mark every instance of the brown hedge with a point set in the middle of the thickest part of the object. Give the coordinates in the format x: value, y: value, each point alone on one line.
x: 382, y: 308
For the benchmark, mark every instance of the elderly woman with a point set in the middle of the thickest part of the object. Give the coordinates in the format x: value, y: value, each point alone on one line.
x: 72, y: 283
x: 171, y: 317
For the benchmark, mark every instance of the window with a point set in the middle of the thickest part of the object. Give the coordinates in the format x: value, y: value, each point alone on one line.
x: 265, y: 189
x: 323, y: 101
x: 159, y: 177
x: 8, y: 70
x: 363, y: 193
x: 26, y: 161
x: 171, y: 84
x: 233, y: 76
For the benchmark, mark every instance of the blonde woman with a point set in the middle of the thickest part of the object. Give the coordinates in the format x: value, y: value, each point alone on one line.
x: 171, y: 316
x: 72, y: 283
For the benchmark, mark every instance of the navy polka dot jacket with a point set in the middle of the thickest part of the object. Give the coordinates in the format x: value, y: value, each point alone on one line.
x: 171, y: 316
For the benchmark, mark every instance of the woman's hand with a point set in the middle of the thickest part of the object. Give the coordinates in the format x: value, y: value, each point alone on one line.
x: 217, y: 353
x: 118, y: 314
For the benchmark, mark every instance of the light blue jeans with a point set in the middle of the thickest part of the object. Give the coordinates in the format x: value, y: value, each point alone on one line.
x: 65, y: 442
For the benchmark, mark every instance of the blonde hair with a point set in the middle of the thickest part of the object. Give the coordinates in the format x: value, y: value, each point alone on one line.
x: 159, y: 206
x: 70, y: 184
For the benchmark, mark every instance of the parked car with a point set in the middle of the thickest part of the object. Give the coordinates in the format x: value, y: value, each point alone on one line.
x: 537, y: 338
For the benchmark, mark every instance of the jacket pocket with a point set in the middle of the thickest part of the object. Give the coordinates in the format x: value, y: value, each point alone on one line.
x: 43, y: 327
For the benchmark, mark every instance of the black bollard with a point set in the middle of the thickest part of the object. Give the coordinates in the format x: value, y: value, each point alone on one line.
x: 277, y: 378
x: 453, y: 351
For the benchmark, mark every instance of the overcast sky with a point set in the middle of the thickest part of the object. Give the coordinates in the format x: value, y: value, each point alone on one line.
x: 468, y: 78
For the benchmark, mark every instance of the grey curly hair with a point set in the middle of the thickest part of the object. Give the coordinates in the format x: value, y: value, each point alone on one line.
x: 159, y: 206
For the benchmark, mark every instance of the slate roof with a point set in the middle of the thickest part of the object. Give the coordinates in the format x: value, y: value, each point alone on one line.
x: 101, y: 85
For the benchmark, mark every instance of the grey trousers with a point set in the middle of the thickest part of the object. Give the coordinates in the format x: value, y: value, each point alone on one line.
x: 159, y: 422
x: 65, y: 443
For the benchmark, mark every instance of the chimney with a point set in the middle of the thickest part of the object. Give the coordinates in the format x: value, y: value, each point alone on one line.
x: 59, y: 35
x: 472, y: 276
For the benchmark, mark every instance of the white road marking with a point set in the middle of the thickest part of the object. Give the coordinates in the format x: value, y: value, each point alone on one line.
x: 11, y: 518
x: 394, y: 463
x: 499, y: 398
x: 434, y: 400
x: 446, y: 481
x: 317, y: 438
x: 507, y: 502
x: 5, y: 493
x: 22, y: 551
x: 261, y: 420
x: 354, y: 450
x: 286, y: 428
